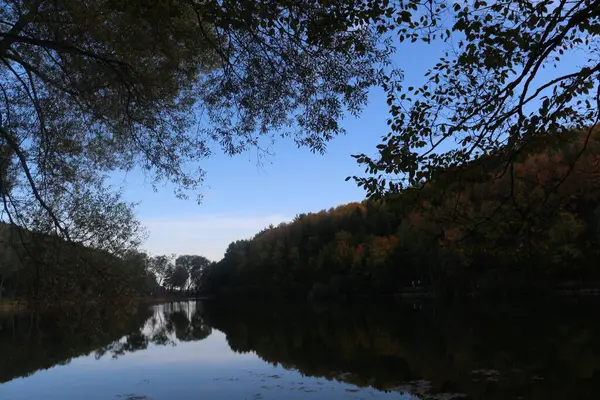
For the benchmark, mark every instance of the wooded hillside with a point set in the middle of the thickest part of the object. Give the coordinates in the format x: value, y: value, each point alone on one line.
x: 47, y: 271
x: 495, y: 224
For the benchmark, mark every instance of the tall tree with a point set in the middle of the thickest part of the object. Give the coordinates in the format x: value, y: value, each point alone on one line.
x: 160, y: 266
x: 92, y: 87
x: 178, y: 277
x: 195, y: 266
x: 10, y: 263
x: 487, y: 94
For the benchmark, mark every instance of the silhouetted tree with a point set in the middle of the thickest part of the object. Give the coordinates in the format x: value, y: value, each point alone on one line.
x: 178, y: 277
x: 102, y: 86
x: 194, y: 265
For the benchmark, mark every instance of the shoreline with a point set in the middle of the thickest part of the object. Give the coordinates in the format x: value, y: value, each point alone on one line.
x: 583, y: 292
x: 423, y: 293
x: 167, y: 299
x: 12, y: 305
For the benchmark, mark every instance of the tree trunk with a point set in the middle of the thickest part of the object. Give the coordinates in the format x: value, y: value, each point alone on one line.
x: 1, y: 287
x: 188, y: 287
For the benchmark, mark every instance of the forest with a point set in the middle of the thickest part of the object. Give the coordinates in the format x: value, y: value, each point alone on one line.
x: 46, y: 272
x: 485, y: 179
x: 487, y: 227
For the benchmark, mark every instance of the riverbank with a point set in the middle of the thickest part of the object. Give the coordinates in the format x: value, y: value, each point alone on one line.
x: 322, y: 293
x: 172, y: 299
x: 12, y: 305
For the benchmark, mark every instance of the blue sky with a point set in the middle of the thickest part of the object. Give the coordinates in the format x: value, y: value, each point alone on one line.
x: 241, y: 197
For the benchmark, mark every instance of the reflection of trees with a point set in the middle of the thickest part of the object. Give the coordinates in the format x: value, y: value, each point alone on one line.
x: 29, y: 343
x: 169, y: 324
x: 184, y: 321
x: 188, y: 329
x: 486, y: 352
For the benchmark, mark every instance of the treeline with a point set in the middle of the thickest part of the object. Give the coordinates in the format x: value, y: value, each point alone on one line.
x: 174, y: 275
x: 45, y: 271
x: 495, y: 225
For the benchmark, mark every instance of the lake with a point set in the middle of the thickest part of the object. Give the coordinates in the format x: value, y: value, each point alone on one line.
x: 210, y: 350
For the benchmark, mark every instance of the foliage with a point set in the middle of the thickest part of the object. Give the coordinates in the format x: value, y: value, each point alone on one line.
x: 140, y: 265
x: 51, y: 273
x: 477, y: 229
x: 183, y: 272
x: 194, y: 266
x: 161, y: 266
x: 502, y: 81
x: 179, y: 277
x: 8, y: 262
x: 89, y: 88
x: 48, y: 272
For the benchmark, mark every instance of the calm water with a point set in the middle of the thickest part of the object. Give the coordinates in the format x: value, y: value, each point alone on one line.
x: 401, y: 351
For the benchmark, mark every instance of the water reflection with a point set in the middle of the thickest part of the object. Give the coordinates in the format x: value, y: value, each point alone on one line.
x: 169, y: 323
x: 32, y: 342
x: 189, y: 350
x: 475, y: 351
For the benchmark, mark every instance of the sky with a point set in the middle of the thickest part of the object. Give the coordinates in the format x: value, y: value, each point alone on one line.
x: 242, y: 197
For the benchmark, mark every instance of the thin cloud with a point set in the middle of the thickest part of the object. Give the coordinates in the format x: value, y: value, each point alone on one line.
x: 207, y: 235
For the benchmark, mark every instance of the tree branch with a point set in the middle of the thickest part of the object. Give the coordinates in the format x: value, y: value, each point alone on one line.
x: 17, y: 28
x: 23, y: 161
